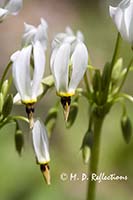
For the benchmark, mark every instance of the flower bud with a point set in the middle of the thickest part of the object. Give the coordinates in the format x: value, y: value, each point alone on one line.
x: 19, y: 141
x: 117, y: 70
x: 126, y: 128
x: 105, y: 76
x: 50, y: 120
x: 97, y: 81
x: 86, y: 146
x: 86, y: 152
x: 7, y: 108
x: 5, y: 87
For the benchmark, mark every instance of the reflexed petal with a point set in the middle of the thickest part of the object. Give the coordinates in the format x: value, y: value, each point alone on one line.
x: 13, y: 6
x: 41, y: 33
x: 17, y: 99
x: 60, y: 68
x: 53, y: 55
x: 79, y: 64
x: 128, y: 16
x: 117, y: 16
x: 69, y: 31
x: 21, y: 73
x: 40, y: 142
x: 80, y: 36
x: 33, y: 34
x: 122, y: 16
x: 14, y: 56
x: 29, y: 34
x: 3, y: 13
x: 39, y: 67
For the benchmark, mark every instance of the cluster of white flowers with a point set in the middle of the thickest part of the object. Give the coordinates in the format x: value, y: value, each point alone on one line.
x: 68, y: 53
x: 68, y: 63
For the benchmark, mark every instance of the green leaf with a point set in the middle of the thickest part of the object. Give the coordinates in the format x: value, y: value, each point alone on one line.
x: 126, y: 128
x: 7, y: 108
x: 48, y: 81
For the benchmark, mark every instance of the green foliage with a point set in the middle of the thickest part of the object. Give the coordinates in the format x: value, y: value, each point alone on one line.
x: 7, y: 107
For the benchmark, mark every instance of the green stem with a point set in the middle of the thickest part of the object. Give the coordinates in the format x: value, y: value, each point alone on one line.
x: 116, y: 51
x: 86, y: 82
x: 93, y: 168
x: 20, y: 118
x: 5, y: 73
x: 125, y: 76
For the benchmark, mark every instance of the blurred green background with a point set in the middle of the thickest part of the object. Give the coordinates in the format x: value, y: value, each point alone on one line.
x: 20, y: 177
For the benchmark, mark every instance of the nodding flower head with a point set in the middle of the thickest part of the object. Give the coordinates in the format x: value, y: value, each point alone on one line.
x: 27, y: 84
x: 69, y: 62
x: 41, y: 148
x: 122, y: 16
x: 9, y: 7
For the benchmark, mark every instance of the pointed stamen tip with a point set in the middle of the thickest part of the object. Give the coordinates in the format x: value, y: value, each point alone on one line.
x: 66, y: 101
x: 46, y: 173
x: 66, y: 112
x: 31, y: 123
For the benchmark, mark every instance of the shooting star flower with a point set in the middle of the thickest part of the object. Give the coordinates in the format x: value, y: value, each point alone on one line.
x: 69, y: 61
x: 27, y: 85
x: 122, y: 16
x: 41, y: 148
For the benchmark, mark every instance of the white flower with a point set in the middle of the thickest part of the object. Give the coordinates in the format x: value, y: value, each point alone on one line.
x: 9, y: 7
x: 68, y: 65
x: 122, y: 16
x: 41, y: 148
x: 33, y: 34
x: 68, y: 36
x: 40, y: 142
x: 27, y: 85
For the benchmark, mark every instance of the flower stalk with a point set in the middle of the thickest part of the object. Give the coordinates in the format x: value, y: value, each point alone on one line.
x: 94, y: 160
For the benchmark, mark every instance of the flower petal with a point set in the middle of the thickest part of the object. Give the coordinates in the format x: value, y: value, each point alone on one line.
x: 40, y: 142
x: 3, y: 13
x: 21, y: 73
x: 41, y: 33
x: 17, y: 99
x: 79, y: 64
x: 13, y: 6
x: 128, y: 16
x: 29, y: 33
x: 60, y: 67
x: 39, y: 68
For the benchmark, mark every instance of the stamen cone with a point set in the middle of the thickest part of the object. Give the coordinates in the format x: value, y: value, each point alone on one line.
x: 30, y: 111
x: 66, y: 101
x: 66, y: 111
x: 46, y: 173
